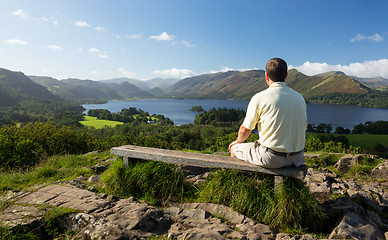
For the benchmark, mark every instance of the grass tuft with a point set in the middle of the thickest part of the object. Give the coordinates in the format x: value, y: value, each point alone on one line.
x: 154, y: 182
x: 294, y: 209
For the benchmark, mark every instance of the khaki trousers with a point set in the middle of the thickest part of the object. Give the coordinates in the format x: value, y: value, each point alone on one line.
x: 257, y: 154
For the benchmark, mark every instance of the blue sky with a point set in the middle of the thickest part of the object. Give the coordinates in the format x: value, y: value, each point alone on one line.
x: 144, y: 39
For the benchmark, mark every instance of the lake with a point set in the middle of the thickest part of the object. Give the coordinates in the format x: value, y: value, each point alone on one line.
x: 177, y: 110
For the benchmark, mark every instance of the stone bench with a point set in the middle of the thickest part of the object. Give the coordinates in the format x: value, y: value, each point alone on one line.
x: 204, y: 161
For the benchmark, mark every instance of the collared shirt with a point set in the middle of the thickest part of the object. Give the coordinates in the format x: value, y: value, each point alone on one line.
x: 280, y: 115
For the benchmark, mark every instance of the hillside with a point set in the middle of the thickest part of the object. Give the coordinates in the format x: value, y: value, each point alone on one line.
x: 375, y: 83
x: 319, y: 85
x: 84, y: 91
x: 128, y: 90
x: 16, y: 87
x: 243, y: 85
x: 23, y: 100
x: 147, y: 84
x: 222, y: 85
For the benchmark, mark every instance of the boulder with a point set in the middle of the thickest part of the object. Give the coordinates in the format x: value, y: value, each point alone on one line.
x: 127, y: 219
x: 356, y: 226
x: 380, y: 171
x: 94, y: 178
x: 346, y: 163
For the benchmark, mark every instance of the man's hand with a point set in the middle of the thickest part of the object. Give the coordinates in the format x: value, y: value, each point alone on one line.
x: 230, y: 148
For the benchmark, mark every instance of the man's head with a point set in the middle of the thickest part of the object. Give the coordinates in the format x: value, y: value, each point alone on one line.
x: 276, y: 70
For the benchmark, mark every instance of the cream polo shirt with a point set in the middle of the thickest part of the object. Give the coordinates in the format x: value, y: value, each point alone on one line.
x: 280, y: 115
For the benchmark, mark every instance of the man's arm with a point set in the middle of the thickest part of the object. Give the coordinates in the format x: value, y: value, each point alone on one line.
x: 243, y: 134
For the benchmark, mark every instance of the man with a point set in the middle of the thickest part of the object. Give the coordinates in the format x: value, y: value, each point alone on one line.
x: 280, y: 115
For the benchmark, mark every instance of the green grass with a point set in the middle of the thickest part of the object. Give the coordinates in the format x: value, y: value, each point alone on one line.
x: 154, y: 182
x: 56, y: 168
x: 367, y: 141
x: 98, y: 124
x: 293, y: 209
x: 364, y: 141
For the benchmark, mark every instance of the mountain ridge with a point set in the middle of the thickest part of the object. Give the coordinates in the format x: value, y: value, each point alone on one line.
x: 16, y: 87
x: 239, y: 85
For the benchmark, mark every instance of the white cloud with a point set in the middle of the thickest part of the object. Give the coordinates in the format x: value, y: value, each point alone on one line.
x: 370, y: 69
x: 375, y: 37
x: 174, y: 72
x: 223, y: 69
x: 126, y: 73
x: 226, y: 69
x: 15, y: 41
x: 94, y: 51
x: 82, y: 24
x: 97, y: 52
x: 55, y: 23
x: 100, y: 29
x: 163, y: 37
x: 187, y: 44
x: 21, y: 14
x: 133, y: 36
x: 54, y: 47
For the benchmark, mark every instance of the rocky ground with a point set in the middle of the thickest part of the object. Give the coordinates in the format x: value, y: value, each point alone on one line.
x: 359, y: 215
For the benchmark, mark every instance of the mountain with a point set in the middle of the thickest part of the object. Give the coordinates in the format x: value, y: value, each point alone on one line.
x: 15, y: 87
x: 22, y: 100
x: 88, y: 91
x: 77, y: 90
x: 375, y: 83
x: 223, y: 85
x: 147, y: 84
x: 128, y: 90
x: 243, y: 85
x: 322, y: 84
x: 140, y: 84
x: 161, y: 82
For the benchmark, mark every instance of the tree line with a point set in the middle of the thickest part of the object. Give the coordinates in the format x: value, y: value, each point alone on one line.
x: 220, y: 116
x: 129, y: 115
x: 375, y: 99
x: 378, y: 127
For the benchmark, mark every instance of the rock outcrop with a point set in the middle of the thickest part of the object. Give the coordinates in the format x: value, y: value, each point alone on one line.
x: 356, y: 210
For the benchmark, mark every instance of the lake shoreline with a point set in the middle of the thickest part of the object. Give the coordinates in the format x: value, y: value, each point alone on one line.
x: 177, y: 110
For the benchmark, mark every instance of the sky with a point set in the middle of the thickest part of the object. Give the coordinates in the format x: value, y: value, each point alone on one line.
x: 145, y: 39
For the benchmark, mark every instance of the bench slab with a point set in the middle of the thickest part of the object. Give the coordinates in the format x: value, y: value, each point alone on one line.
x: 202, y: 160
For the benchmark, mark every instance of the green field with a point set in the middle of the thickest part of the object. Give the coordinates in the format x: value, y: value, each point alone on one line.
x: 98, y: 124
x: 367, y: 141
x: 364, y: 141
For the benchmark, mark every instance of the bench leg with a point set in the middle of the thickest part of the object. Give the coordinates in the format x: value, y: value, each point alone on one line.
x: 278, y: 181
x: 125, y: 162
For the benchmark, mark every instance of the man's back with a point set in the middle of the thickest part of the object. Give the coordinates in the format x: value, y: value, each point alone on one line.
x: 280, y: 114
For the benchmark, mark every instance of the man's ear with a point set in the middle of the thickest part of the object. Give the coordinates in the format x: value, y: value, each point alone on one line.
x: 266, y: 76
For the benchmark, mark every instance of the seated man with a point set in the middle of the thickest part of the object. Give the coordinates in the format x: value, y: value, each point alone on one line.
x: 280, y: 115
